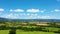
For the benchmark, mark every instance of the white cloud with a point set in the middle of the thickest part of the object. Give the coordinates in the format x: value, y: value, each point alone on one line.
x: 11, y: 16
x: 1, y: 9
x: 27, y: 16
x: 28, y: 10
x: 39, y: 17
x: 17, y: 10
x: 44, y: 17
x: 56, y: 10
x: 42, y: 11
x: 34, y: 14
x: 33, y: 10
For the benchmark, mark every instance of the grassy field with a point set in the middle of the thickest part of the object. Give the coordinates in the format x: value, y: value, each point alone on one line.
x: 33, y: 32
x: 23, y: 32
x: 4, y: 31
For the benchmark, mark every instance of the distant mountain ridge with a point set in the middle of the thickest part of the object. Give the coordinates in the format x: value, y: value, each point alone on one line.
x: 30, y: 20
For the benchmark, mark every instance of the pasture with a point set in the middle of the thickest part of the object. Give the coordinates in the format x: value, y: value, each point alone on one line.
x: 25, y: 32
x: 4, y: 31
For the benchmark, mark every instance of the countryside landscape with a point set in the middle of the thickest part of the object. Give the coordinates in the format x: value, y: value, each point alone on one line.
x: 29, y: 26
x: 29, y: 16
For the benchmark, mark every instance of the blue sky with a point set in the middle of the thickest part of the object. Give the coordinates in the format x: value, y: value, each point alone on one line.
x: 30, y: 9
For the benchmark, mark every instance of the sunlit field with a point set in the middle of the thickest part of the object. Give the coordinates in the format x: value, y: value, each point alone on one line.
x: 18, y: 32
x: 23, y: 32
x: 4, y: 31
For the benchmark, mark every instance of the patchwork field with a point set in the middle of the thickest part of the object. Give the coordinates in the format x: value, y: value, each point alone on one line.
x: 29, y: 28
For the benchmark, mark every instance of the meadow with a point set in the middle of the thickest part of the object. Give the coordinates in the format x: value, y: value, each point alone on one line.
x: 25, y: 32
x: 4, y: 31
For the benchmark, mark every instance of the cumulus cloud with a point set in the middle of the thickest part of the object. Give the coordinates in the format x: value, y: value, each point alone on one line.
x: 1, y: 9
x: 33, y: 10
x: 28, y: 10
x: 17, y: 10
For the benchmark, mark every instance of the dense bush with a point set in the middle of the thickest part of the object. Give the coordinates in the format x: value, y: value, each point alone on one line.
x: 12, y: 31
x: 3, y: 27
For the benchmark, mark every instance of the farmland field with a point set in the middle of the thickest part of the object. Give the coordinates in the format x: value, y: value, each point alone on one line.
x: 23, y: 32
x: 4, y: 31
x: 33, y: 32
x: 28, y: 28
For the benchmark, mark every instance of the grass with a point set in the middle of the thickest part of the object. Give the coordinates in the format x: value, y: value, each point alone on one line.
x: 33, y: 32
x: 4, y: 31
x: 25, y: 32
